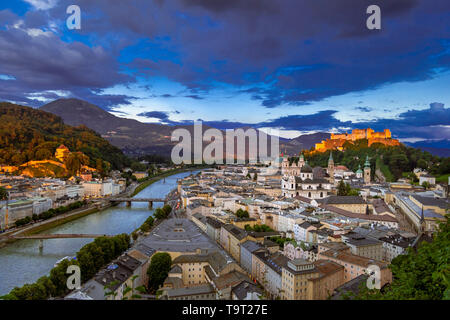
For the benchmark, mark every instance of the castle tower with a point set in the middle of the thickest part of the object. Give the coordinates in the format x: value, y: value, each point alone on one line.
x: 359, y: 172
x: 387, y: 134
x: 367, y: 171
x: 331, y: 168
x: 62, y: 152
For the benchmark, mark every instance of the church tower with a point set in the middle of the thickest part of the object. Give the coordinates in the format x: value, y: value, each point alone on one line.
x: 284, y: 164
x: 301, y: 161
x: 331, y: 168
x: 367, y: 171
x: 423, y: 225
x: 359, y: 172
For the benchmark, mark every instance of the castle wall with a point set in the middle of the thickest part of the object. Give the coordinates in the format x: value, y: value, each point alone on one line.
x: 336, y: 141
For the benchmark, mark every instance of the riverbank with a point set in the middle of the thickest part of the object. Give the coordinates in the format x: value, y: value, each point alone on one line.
x: 26, y: 261
x: 152, y: 180
x: 79, y: 213
x: 51, y: 223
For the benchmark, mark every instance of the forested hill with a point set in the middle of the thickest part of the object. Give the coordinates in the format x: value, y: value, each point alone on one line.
x: 31, y: 134
x: 394, y: 162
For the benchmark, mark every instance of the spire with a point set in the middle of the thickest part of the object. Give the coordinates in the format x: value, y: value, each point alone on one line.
x: 331, y: 156
x: 367, y: 163
x: 422, y: 218
x: 302, y: 158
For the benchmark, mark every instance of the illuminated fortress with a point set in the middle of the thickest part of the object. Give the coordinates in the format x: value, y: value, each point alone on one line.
x: 336, y: 141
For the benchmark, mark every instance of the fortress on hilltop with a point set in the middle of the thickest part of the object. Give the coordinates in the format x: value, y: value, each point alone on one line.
x: 336, y: 141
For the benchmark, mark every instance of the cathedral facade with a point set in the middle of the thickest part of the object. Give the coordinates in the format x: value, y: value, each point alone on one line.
x: 300, y: 179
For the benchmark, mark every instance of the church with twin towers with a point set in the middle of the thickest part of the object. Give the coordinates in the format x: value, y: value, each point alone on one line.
x: 299, y: 179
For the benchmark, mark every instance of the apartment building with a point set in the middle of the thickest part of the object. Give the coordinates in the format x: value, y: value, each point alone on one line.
x: 295, y: 276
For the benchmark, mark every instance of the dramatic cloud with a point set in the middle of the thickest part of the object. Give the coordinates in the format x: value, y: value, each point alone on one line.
x: 428, y: 124
x: 155, y: 114
x: 41, y: 61
x: 293, y: 52
x: 364, y: 109
x: 42, y: 4
x: 278, y: 54
x: 431, y: 123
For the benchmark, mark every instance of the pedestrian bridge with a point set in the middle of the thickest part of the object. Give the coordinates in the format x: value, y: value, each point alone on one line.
x: 59, y: 236
x: 130, y: 200
x: 42, y: 237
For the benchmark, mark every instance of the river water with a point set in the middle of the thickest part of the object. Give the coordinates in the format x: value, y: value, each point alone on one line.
x: 22, y: 262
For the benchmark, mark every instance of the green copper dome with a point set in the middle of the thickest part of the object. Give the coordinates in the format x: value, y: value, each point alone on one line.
x: 359, y: 169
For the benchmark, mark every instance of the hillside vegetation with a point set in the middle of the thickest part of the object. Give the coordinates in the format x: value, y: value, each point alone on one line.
x: 392, y: 161
x: 30, y: 134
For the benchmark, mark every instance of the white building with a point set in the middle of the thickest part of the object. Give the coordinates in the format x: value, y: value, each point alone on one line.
x: 41, y: 205
x: 97, y: 189
x: 286, y: 221
x: 427, y: 178
x: 73, y: 191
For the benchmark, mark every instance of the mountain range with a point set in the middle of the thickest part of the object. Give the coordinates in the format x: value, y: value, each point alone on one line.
x: 137, y: 138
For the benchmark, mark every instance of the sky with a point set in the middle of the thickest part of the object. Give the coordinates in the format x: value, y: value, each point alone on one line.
x: 300, y: 66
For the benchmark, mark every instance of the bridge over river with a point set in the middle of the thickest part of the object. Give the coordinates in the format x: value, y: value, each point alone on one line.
x: 130, y: 200
x: 58, y: 236
x: 42, y: 237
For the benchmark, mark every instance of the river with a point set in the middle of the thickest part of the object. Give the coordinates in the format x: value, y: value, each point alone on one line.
x: 22, y: 262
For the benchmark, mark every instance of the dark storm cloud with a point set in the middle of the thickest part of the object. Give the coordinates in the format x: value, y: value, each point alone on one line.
x: 105, y: 101
x: 431, y: 123
x: 194, y: 96
x: 292, y: 52
x: 364, y: 109
x: 255, y: 40
x: 155, y: 114
x: 322, y: 120
x: 42, y: 61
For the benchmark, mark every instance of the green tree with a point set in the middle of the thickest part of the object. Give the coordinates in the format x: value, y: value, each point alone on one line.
x: 167, y: 209
x: 3, y: 194
x: 144, y: 228
x: 422, y: 164
x: 58, y: 276
x: 158, y: 270
x: 159, y: 214
x: 75, y: 161
x: 242, y: 213
x: 343, y: 188
x: 43, y: 154
x: 426, y: 185
x: 422, y: 274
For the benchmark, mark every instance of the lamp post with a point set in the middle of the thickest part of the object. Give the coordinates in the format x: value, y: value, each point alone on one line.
x: 5, y: 222
x: 6, y: 213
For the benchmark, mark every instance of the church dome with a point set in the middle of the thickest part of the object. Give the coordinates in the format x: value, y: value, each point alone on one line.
x: 306, y: 168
